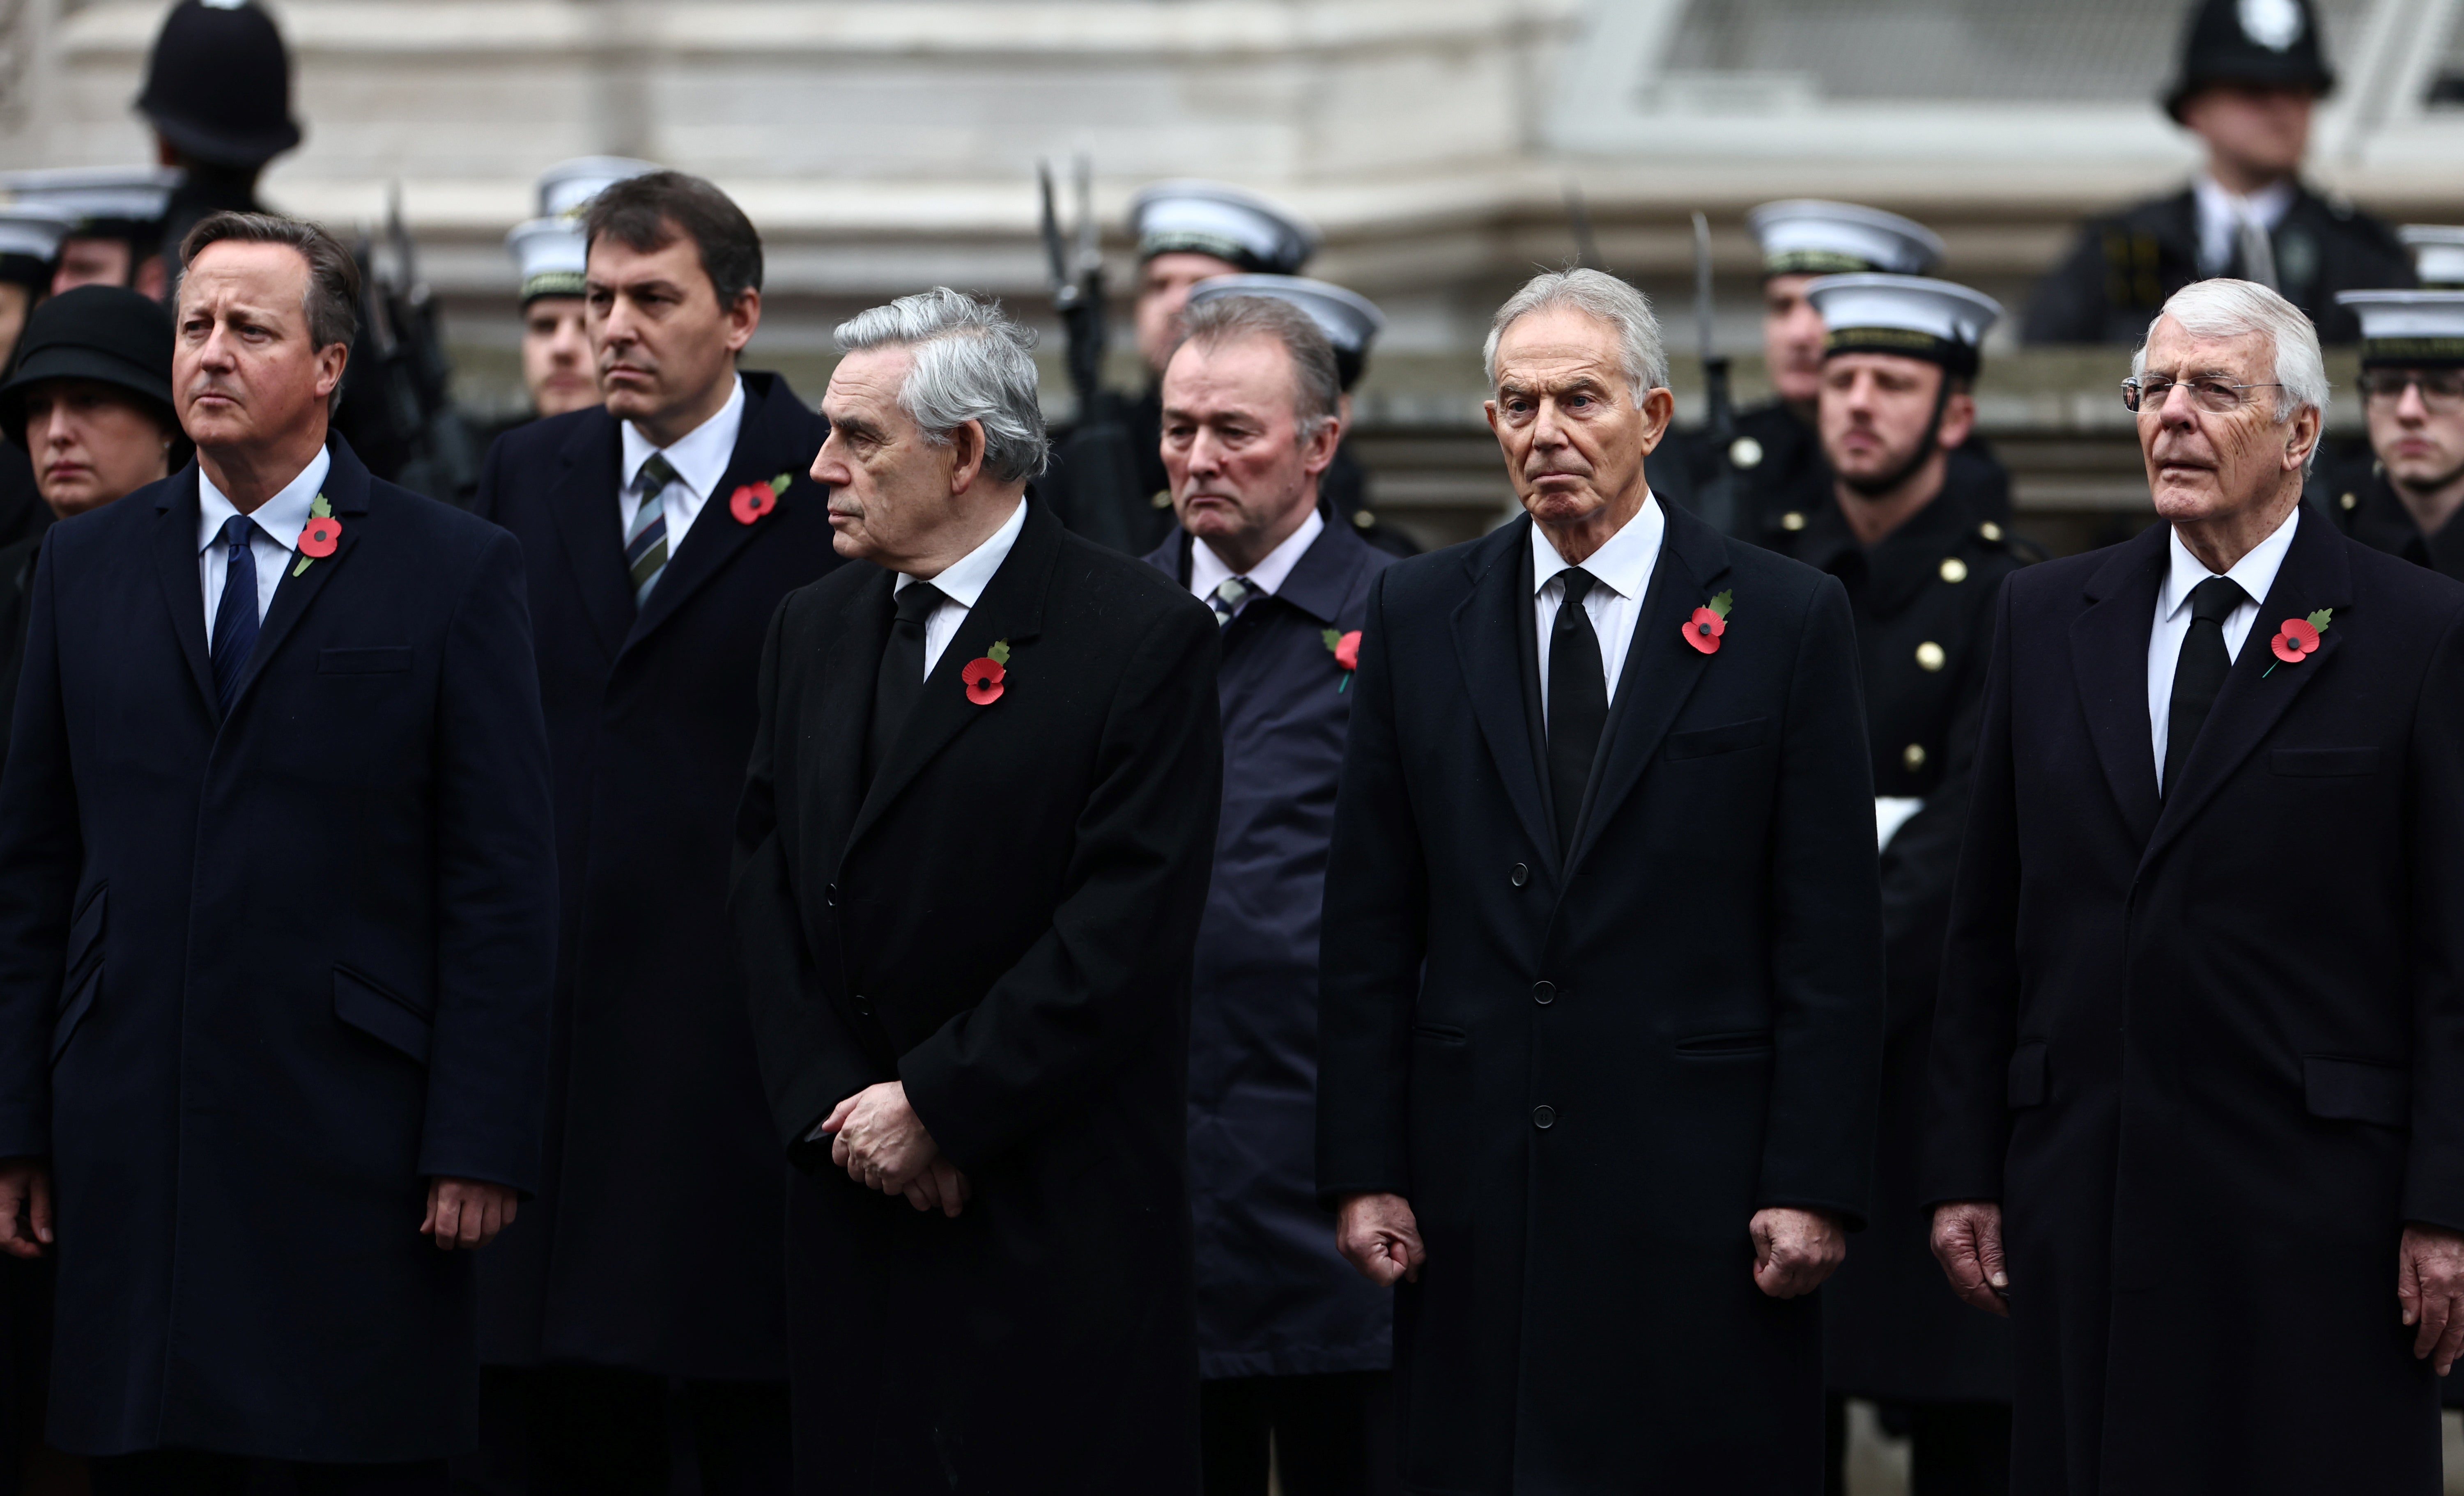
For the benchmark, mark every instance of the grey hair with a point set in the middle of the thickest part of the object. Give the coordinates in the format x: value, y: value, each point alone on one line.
x: 330, y: 303
x: 2237, y: 309
x: 1317, y: 389
x: 1595, y: 293
x: 972, y: 363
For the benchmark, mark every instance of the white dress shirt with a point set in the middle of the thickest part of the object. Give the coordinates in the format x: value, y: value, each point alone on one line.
x: 2255, y: 572
x: 1207, y: 571
x: 2221, y: 214
x: 962, y: 582
x: 701, y: 458
x: 1622, y: 570
x: 278, y: 521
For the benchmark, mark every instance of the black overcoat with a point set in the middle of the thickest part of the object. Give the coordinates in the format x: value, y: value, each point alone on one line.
x: 1004, y: 921
x: 1588, y: 1080
x: 2207, y: 1051
x: 1275, y: 1297
x: 262, y: 977
x: 653, y: 1090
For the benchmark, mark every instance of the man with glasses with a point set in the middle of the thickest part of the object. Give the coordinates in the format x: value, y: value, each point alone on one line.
x: 2199, y: 1063
x: 2400, y: 495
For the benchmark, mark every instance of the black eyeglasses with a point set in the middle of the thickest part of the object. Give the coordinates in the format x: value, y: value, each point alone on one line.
x: 2441, y: 389
x: 2149, y: 390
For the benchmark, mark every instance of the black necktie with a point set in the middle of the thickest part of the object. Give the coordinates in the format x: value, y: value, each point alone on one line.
x: 2200, y: 673
x: 235, y: 621
x: 900, y: 682
x: 1578, y: 703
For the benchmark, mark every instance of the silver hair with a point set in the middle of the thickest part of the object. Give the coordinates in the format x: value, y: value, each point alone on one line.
x: 1317, y: 391
x: 972, y: 363
x: 1595, y: 293
x: 2238, y: 309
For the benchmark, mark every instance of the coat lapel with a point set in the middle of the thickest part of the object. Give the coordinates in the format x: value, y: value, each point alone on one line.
x: 2109, y: 663
x: 1012, y: 609
x: 1660, y: 671
x: 2316, y: 574
x: 1487, y: 646
x: 176, y: 549
x: 761, y: 453
x: 590, y: 526
x: 346, y: 489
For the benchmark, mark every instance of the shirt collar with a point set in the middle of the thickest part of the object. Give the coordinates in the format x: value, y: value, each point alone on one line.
x: 964, y: 580
x: 282, y: 517
x: 700, y: 457
x: 2256, y: 571
x: 1207, y: 571
x: 1622, y: 565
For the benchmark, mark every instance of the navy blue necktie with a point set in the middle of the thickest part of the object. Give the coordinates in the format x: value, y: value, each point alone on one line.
x: 235, y: 621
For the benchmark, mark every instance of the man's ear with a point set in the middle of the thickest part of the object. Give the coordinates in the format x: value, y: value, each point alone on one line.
x: 1958, y: 420
x: 2301, y: 435
x: 744, y: 316
x: 966, y: 454
x: 1659, y: 409
x: 331, y: 360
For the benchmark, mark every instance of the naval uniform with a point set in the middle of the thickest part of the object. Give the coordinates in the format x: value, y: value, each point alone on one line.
x: 1784, y: 482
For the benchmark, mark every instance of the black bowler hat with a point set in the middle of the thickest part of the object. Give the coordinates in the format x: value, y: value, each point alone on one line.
x: 107, y: 334
x: 218, y: 85
x: 2265, y: 43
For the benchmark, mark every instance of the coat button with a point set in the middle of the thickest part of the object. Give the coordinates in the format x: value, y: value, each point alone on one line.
x: 1746, y: 452
x: 1544, y: 993
x: 1913, y: 756
x: 830, y: 895
x: 863, y: 1006
x: 1518, y: 876
x: 1953, y: 569
x: 1544, y: 1117
x: 2349, y: 500
x: 1929, y: 656
x: 1792, y: 521
x: 1163, y: 498
x: 1990, y: 530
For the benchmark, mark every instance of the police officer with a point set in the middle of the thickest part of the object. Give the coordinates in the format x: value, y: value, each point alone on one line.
x: 1922, y: 564
x: 1107, y: 480
x: 549, y: 254
x: 1772, y: 459
x: 218, y: 95
x: 2252, y: 72
x: 116, y: 214
x: 2401, y: 496
x: 1352, y: 323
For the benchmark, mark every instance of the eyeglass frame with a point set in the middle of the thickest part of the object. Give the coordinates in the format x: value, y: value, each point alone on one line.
x: 2413, y: 380
x: 2133, y: 393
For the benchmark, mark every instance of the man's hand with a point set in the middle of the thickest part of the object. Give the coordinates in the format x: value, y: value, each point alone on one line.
x: 466, y: 1213
x: 25, y: 1207
x: 940, y: 1187
x: 2430, y: 1285
x: 1968, y: 1242
x: 880, y: 1141
x: 1377, y: 1234
x: 1795, y: 1250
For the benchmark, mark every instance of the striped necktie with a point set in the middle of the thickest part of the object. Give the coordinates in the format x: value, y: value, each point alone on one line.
x: 1228, y: 598
x: 646, y: 538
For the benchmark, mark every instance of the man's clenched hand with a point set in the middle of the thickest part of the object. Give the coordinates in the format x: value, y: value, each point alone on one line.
x: 2430, y: 1285
x: 1795, y: 1250
x: 1378, y: 1235
x: 880, y: 1141
x: 1968, y: 1242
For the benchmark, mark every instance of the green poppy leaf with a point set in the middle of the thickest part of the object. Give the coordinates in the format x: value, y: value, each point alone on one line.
x: 1721, y: 603
x: 998, y: 653
x: 2318, y: 619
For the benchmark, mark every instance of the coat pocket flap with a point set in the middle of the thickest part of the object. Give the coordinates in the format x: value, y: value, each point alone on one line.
x: 2357, y: 1090
x: 2027, y: 1080
x: 1729, y: 738
x: 380, y: 1015
x: 81, y: 1003
x: 85, y: 938
x: 364, y: 661
x: 2323, y: 762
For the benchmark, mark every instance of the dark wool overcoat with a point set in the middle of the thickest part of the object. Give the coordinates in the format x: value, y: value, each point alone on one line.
x: 2207, y: 1049
x: 653, y: 1090
x: 1586, y: 1073
x: 1001, y: 920
x: 263, y: 976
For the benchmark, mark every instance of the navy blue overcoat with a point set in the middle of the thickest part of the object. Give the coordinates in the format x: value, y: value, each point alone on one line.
x: 264, y: 974
x: 1275, y: 1297
x: 653, y: 1090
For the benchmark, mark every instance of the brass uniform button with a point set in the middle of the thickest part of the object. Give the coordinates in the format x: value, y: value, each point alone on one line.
x: 1363, y: 520
x: 2350, y: 500
x: 1990, y: 530
x: 1746, y: 452
x: 1929, y: 656
x: 1163, y: 498
x: 1953, y: 569
x: 1792, y: 520
x: 1913, y: 756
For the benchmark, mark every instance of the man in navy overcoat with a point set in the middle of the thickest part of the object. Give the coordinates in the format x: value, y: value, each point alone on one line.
x: 276, y: 920
x: 1292, y: 1345
x: 659, y: 539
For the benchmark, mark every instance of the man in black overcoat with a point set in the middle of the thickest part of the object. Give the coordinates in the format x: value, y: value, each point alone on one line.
x: 973, y: 853
x: 1293, y: 1347
x: 661, y: 530
x: 1601, y: 984
x: 2401, y: 491
x: 276, y: 925
x: 2198, y: 1060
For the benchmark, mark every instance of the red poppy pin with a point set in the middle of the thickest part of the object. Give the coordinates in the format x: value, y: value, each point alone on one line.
x: 985, y: 673
x: 2298, y: 639
x: 319, y: 536
x: 752, y: 500
x: 1346, y: 649
x: 1710, y: 622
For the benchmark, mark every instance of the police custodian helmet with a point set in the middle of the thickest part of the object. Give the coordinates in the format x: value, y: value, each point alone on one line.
x: 2263, y: 43
x: 218, y: 84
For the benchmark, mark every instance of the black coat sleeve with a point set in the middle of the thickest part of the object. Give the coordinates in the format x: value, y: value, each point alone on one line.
x: 2070, y: 303
x: 1375, y: 934
x: 2433, y: 1183
x: 1111, y: 978
x: 1976, y: 1014
x: 41, y: 854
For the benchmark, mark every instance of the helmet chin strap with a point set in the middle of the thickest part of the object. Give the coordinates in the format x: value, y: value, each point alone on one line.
x: 1881, y: 484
